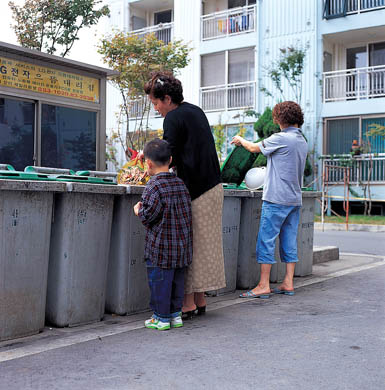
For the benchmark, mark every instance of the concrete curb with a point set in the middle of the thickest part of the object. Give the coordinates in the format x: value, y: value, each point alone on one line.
x: 352, y: 227
x: 321, y: 254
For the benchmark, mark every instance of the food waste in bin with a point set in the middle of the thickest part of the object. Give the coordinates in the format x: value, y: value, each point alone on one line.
x: 134, y: 172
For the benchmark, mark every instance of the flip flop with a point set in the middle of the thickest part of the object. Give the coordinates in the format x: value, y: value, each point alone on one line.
x: 285, y: 292
x: 250, y: 294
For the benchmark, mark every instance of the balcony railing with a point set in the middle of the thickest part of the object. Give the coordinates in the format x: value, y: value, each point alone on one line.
x: 352, y: 84
x: 230, y: 22
x: 164, y: 31
x: 228, y: 97
x: 360, y: 167
x: 339, y: 8
x: 136, y: 108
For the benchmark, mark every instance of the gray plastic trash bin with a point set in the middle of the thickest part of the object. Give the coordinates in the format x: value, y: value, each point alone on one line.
x: 248, y: 269
x: 306, y: 234
x: 79, y: 250
x: 230, y: 229
x: 127, y: 285
x: 25, y: 228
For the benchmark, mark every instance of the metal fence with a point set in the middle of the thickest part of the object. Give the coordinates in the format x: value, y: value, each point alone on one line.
x: 163, y: 31
x: 350, y: 84
x: 230, y: 22
x: 359, y: 168
x: 227, y: 97
x: 338, y: 8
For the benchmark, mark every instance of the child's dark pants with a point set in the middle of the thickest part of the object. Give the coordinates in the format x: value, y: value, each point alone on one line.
x: 167, y: 291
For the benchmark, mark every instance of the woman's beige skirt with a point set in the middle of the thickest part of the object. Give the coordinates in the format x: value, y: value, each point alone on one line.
x: 207, y: 271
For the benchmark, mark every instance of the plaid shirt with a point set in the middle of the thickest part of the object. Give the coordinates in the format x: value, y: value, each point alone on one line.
x: 166, y: 214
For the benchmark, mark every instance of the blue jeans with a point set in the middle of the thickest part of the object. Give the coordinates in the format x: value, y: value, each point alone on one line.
x: 167, y: 291
x: 277, y: 219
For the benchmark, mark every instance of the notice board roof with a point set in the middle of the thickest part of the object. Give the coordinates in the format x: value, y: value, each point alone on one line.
x: 49, y: 58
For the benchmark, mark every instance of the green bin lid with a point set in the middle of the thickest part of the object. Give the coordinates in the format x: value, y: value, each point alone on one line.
x: 242, y: 186
x: 236, y: 165
x: 15, y: 175
x: 84, y: 179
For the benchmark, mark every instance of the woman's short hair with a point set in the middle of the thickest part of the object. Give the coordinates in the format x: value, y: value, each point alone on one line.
x: 158, y: 151
x: 288, y: 113
x: 162, y: 84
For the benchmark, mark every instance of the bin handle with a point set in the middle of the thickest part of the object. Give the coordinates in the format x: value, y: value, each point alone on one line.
x: 49, y: 170
x: 6, y: 167
x: 97, y: 174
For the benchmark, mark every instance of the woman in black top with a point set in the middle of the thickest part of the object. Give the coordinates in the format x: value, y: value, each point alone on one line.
x: 188, y: 132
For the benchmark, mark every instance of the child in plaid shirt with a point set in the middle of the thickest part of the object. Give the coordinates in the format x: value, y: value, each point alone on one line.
x: 165, y: 211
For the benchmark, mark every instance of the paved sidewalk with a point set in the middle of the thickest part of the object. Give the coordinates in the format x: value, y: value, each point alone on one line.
x: 235, y: 346
x: 52, y: 338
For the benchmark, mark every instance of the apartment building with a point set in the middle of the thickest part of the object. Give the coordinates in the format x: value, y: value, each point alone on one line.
x: 235, y: 41
x: 352, y: 35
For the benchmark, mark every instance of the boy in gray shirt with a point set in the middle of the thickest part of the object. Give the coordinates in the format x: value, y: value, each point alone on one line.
x: 286, y: 153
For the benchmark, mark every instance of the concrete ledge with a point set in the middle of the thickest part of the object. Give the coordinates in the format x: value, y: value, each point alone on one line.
x: 322, y: 254
x: 352, y: 227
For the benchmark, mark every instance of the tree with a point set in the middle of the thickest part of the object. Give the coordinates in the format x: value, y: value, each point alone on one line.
x: 46, y: 25
x: 289, y: 68
x: 135, y: 57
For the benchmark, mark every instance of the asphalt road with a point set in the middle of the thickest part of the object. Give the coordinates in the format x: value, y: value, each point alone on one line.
x: 330, y: 335
x: 352, y: 241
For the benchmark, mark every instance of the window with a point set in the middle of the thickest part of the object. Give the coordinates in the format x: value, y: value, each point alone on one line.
x: 356, y: 58
x: 240, y: 3
x: 213, y: 69
x: 68, y: 138
x: 162, y: 17
x: 17, y: 127
x: 328, y: 62
x: 340, y: 134
x: 240, y: 65
x: 138, y: 23
x: 377, y: 143
x: 377, y: 54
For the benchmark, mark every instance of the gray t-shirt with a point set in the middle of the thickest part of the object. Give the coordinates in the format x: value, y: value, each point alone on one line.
x: 286, y: 156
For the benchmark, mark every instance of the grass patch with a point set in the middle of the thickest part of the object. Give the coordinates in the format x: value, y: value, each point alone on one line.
x: 359, y: 219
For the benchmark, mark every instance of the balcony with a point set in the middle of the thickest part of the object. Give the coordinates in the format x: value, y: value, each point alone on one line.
x: 228, y: 97
x: 230, y: 22
x: 339, y: 8
x: 354, y: 84
x: 163, y: 31
x: 361, y: 168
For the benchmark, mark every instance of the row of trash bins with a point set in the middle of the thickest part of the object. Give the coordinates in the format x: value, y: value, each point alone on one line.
x: 73, y: 250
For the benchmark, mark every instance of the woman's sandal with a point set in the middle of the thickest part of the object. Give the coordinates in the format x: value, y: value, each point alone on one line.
x: 188, y: 315
x: 201, y: 310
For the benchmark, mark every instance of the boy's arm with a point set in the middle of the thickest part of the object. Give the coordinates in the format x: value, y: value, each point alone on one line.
x: 151, y: 207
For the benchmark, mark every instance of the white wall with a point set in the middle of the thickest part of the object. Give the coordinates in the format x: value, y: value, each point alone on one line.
x: 187, y: 27
x: 282, y: 24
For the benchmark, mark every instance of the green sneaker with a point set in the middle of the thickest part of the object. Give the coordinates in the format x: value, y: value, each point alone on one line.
x: 176, y: 322
x: 154, y: 323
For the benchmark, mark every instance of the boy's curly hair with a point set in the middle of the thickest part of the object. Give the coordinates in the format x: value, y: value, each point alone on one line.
x: 288, y: 113
x: 162, y: 84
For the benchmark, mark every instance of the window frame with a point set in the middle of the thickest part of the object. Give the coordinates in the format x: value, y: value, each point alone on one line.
x: 37, y: 139
x: 35, y: 121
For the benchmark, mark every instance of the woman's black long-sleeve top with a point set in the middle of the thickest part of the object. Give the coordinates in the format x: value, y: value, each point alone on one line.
x: 188, y: 132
